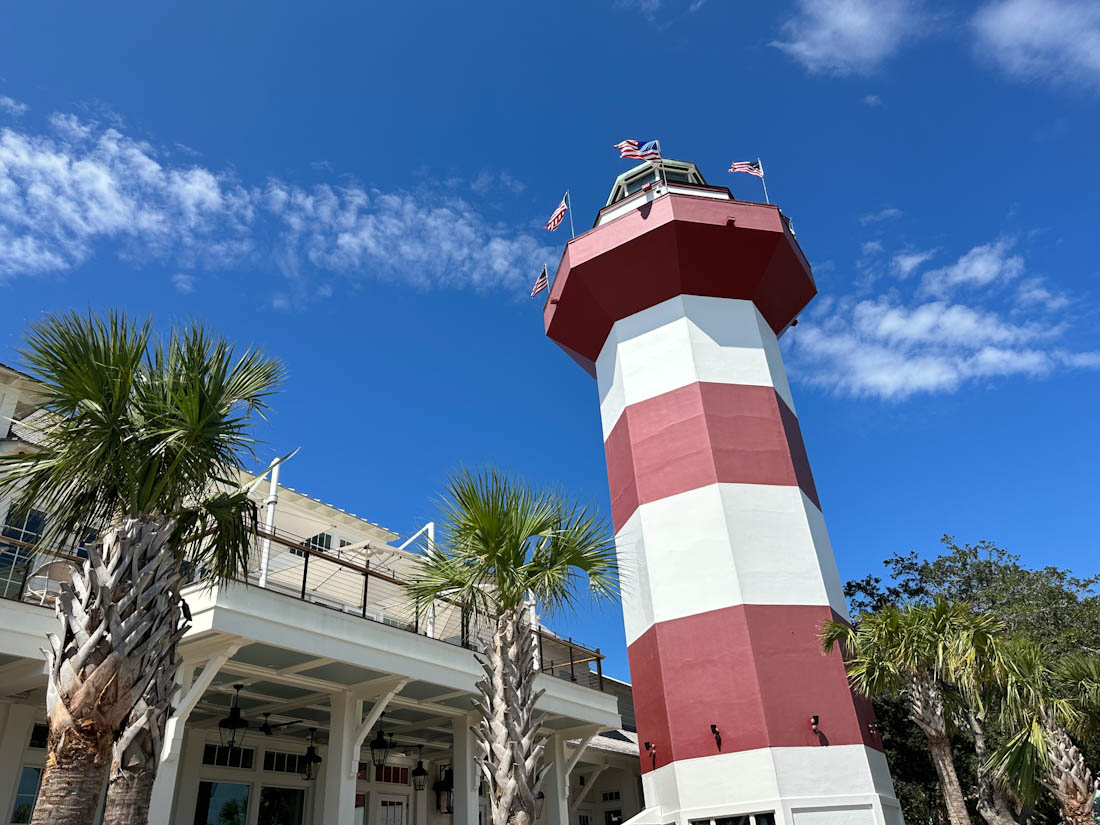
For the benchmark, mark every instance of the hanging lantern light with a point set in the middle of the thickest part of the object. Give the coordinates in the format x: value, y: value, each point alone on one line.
x: 380, y: 747
x: 445, y: 791
x: 311, y: 760
x: 419, y: 773
x: 233, y: 727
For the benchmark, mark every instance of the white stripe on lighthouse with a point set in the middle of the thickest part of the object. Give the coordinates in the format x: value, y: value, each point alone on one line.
x: 849, y: 783
x: 684, y: 340
x: 724, y: 545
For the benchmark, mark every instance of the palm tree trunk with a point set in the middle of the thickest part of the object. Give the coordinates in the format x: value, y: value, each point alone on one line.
x: 926, y: 708
x: 940, y: 746
x: 135, y: 754
x: 495, y: 757
x: 523, y: 723
x: 1071, y: 781
x: 507, y: 733
x: 993, y: 807
x: 73, y: 780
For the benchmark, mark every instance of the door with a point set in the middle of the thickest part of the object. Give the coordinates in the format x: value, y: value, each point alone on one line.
x: 392, y: 809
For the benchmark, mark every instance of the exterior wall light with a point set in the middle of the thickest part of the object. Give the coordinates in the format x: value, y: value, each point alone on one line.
x: 419, y: 773
x: 232, y: 728
x: 717, y: 736
x: 311, y: 760
x: 445, y: 790
x: 814, y: 723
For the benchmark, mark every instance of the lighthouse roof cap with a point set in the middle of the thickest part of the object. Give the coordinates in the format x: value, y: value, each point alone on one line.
x: 676, y: 171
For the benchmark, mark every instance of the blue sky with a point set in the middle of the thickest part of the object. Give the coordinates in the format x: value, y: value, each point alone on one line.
x: 360, y: 189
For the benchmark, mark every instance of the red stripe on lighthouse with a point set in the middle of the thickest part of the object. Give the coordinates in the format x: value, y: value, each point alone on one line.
x: 756, y: 672
x: 702, y: 434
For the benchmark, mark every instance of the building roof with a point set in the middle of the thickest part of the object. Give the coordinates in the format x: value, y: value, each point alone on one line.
x: 616, y: 741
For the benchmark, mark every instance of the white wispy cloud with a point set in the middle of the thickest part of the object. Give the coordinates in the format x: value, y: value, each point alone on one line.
x: 81, y: 189
x: 907, y: 262
x: 184, y: 283
x: 12, y: 106
x: 978, y: 267
x: 898, y: 345
x: 874, y: 101
x: 849, y: 36
x: 882, y: 215
x: 1057, y: 41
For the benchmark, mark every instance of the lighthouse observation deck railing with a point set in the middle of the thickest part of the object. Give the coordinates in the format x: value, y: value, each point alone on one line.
x: 372, y: 584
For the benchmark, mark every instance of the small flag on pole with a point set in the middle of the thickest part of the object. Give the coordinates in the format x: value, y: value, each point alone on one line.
x: 749, y: 167
x: 542, y: 282
x: 640, y: 149
x: 559, y: 215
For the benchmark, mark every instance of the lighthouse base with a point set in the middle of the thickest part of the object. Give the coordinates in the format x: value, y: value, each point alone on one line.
x: 828, y: 785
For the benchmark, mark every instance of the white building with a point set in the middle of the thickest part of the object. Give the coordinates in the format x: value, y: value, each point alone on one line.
x: 321, y: 641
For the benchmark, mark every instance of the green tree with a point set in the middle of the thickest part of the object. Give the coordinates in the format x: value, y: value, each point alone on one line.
x: 912, y: 652
x: 1046, y: 702
x: 502, y: 544
x: 143, y: 441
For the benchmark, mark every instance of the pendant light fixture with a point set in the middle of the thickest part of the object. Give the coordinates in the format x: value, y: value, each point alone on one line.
x: 233, y: 727
x: 380, y: 746
x: 311, y: 760
x: 419, y: 773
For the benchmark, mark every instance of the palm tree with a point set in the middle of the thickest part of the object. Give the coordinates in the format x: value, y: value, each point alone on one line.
x: 503, y: 544
x: 915, y: 651
x: 1043, y: 705
x: 143, y: 443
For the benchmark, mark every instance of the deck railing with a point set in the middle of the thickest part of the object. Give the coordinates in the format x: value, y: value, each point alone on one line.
x: 362, y: 582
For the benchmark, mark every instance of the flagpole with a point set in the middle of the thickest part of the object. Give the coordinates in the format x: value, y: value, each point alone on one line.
x: 569, y: 209
x: 661, y: 154
x: 763, y: 183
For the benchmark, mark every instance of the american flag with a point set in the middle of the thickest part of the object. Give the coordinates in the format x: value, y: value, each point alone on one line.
x: 558, y: 216
x: 542, y: 282
x: 641, y: 149
x: 749, y: 167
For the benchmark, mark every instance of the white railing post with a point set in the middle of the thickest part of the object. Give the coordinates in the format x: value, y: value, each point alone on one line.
x: 269, y: 521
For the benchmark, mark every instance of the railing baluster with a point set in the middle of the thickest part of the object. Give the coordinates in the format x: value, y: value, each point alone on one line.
x: 366, y: 584
x: 542, y: 659
x: 572, y: 673
x: 305, y: 574
x: 599, y: 668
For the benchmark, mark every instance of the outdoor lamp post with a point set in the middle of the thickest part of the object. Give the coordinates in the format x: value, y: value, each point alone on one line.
x: 419, y: 773
x: 233, y: 727
x: 310, y: 759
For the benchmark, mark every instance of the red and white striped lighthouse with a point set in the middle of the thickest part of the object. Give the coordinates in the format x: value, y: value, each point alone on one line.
x: 674, y: 301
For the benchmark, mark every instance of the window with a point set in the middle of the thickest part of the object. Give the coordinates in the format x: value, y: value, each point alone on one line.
x: 23, y: 527
x: 763, y: 818
x: 282, y: 762
x: 224, y: 756
x: 322, y: 543
x: 26, y: 794
x: 392, y: 774
x: 281, y: 806
x: 221, y: 803
x: 613, y: 817
x: 584, y: 819
x: 39, y: 734
x: 611, y: 796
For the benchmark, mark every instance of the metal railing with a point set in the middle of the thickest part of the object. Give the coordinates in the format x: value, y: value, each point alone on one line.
x: 370, y: 583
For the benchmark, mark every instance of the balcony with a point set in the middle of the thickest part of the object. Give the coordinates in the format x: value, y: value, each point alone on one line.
x: 363, y: 581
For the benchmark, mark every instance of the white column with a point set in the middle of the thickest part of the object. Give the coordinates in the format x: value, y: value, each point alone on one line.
x: 16, y: 722
x: 556, y: 784
x: 341, y: 763
x: 187, y: 779
x: 164, y: 786
x: 465, y: 768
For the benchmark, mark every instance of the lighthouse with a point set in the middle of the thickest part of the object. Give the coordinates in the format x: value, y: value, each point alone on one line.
x: 674, y: 302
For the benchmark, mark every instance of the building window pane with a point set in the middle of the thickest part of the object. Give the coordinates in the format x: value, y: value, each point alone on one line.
x: 25, y: 795
x: 281, y: 806
x: 221, y: 803
x: 39, y: 734
x: 23, y: 527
